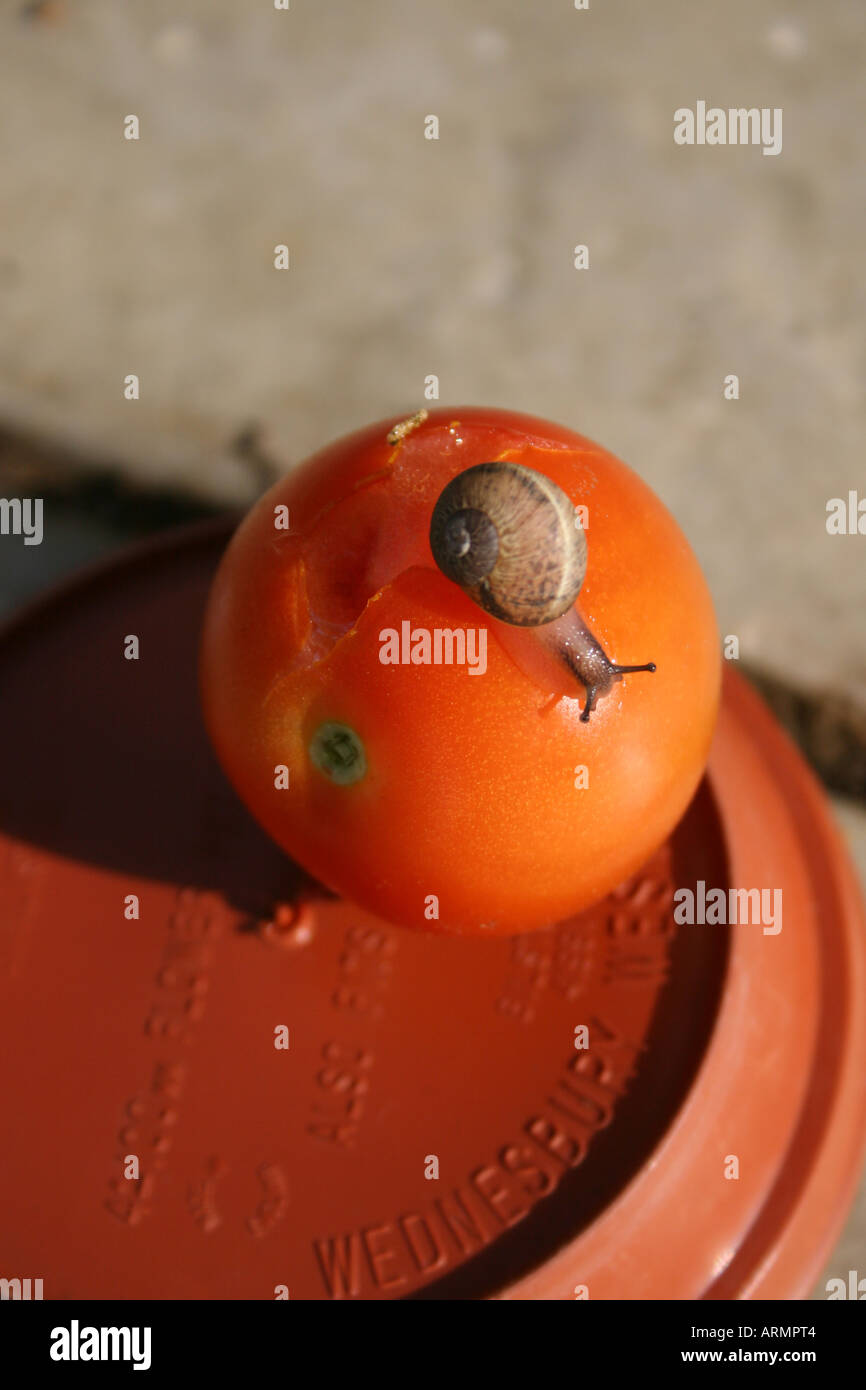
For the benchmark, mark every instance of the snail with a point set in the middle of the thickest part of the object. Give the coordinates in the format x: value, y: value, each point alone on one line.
x: 507, y: 535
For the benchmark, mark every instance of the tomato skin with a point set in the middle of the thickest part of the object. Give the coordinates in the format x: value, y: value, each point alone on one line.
x: 469, y: 795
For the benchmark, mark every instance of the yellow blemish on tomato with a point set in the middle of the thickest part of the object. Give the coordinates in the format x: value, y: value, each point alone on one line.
x: 399, y: 432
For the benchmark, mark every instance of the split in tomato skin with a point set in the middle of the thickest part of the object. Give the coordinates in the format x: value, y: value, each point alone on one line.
x: 437, y: 797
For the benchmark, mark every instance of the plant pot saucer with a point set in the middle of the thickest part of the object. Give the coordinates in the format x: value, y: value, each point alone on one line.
x: 434, y: 1127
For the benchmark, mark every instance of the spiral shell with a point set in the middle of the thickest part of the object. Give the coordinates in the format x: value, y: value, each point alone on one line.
x: 507, y: 535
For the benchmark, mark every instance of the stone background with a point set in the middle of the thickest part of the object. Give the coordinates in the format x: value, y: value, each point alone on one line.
x: 453, y: 257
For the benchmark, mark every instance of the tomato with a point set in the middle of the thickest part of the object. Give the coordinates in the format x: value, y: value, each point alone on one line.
x: 436, y: 795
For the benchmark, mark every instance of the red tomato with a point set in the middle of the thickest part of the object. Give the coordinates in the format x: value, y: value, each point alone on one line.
x: 440, y: 797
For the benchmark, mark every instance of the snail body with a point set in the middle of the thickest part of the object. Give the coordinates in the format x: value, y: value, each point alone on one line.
x: 506, y: 534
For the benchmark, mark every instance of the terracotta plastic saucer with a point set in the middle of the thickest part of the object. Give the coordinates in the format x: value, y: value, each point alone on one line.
x: 434, y: 1126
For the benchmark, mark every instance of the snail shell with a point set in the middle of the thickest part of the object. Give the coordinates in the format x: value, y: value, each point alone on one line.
x: 507, y: 535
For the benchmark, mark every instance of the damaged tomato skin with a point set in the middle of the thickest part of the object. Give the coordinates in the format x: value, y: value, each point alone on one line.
x: 469, y: 805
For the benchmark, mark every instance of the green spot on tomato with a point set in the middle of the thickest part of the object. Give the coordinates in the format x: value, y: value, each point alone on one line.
x: 337, y: 751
